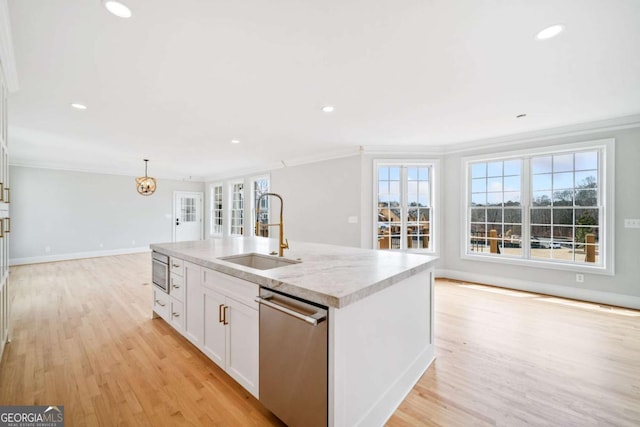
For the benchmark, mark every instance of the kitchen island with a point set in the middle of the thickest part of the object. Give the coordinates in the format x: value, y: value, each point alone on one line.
x: 380, y: 311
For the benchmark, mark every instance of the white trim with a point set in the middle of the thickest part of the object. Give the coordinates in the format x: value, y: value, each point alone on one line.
x: 434, y: 165
x: 575, y: 293
x: 99, y: 171
x: 411, y: 150
x: 252, y: 204
x: 549, y: 134
x: 200, y: 196
x: 212, y: 186
x: 607, y: 191
x: 320, y: 157
x: 76, y: 255
x: 7, y: 57
x: 230, y: 185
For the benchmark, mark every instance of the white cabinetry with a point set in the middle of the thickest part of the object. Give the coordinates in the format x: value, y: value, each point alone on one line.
x: 176, y: 294
x: 194, y: 303
x: 217, y: 313
x: 5, y: 222
x: 231, y: 326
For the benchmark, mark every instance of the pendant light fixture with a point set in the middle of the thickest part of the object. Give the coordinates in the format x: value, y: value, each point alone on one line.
x: 145, y: 184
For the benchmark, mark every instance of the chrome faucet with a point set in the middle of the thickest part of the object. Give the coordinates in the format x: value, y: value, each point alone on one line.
x: 282, y: 242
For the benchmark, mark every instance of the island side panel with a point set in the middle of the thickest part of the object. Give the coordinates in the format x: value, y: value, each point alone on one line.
x: 378, y: 349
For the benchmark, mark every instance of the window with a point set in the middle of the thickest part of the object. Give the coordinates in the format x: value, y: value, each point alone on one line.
x: 216, y: 209
x: 260, y: 187
x: 404, y: 205
x: 237, y: 208
x: 547, y: 206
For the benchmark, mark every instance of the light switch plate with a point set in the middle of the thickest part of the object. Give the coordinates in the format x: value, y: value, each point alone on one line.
x: 631, y: 223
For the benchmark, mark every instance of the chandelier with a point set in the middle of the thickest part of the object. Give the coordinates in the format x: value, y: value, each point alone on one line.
x: 145, y: 184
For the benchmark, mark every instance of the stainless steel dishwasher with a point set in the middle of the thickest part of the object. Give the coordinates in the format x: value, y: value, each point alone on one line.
x: 293, y: 359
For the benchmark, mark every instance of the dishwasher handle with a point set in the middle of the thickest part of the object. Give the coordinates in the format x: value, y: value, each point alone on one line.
x: 314, y: 319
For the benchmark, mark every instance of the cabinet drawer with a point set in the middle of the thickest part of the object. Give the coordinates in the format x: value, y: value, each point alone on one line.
x: 161, y: 303
x: 176, y: 287
x: 177, y: 314
x: 177, y: 266
x: 242, y: 290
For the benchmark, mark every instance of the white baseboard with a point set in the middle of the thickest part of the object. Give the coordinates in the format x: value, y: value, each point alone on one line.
x: 606, y: 298
x: 389, y: 402
x: 77, y: 255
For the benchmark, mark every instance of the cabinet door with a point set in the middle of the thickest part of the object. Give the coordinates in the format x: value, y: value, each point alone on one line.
x: 242, y: 345
x: 194, y: 309
x: 214, y: 329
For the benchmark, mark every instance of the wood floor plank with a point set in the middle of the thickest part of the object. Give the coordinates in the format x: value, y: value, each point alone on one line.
x: 82, y: 337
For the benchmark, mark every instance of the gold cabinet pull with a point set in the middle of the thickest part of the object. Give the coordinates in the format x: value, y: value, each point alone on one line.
x: 225, y: 316
x: 220, y: 308
x: 1, y: 228
x: 1, y: 191
x: 8, y: 190
x: 8, y: 229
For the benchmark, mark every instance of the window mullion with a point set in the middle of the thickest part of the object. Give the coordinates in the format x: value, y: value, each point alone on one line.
x: 526, y: 208
x: 403, y: 207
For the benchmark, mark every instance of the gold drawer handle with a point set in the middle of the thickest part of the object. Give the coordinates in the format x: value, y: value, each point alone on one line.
x: 160, y: 304
x: 8, y: 190
x: 8, y: 229
x: 174, y: 314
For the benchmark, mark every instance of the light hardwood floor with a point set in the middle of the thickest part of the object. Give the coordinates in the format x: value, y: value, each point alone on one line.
x: 82, y: 337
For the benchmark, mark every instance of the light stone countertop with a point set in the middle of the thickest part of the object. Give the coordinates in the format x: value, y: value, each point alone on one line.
x: 334, y: 276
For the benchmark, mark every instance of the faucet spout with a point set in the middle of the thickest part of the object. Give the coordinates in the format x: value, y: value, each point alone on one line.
x: 282, y: 242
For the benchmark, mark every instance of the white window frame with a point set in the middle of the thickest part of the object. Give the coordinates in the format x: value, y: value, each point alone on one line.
x: 607, y: 206
x: 434, y: 232
x: 230, y: 208
x: 212, y: 216
x: 253, y: 181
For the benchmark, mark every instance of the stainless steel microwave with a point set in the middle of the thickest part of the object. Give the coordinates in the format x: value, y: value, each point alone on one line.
x: 160, y: 271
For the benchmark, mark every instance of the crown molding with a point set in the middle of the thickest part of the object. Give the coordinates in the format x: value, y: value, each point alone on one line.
x: 7, y: 58
x: 101, y: 171
x: 606, y: 125
x: 405, y: 150
x: 320, y: 157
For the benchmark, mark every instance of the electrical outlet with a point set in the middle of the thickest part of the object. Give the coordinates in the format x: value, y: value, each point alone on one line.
x: 579, y: 278
x: 631, y: 223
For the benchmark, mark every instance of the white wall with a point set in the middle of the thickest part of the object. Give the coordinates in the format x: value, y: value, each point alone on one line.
x: 77, y: 214
x: 622, y: 289
x: 318, y: 200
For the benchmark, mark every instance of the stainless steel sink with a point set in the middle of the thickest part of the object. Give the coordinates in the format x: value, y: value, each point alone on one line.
x: 259, y: 261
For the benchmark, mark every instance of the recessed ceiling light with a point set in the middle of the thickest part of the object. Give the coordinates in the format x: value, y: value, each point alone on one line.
x: 235, y: 141
x: 328, y: 108
x: 118, y: 9
x: 519, y: 116
x: 79, y: 106
x: 550, y: 32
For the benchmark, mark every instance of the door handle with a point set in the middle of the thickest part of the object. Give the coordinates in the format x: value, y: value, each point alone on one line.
x: 177, y: 221
x: 312, y: 320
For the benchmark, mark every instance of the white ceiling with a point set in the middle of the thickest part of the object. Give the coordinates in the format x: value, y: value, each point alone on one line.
x: 180, y: 79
